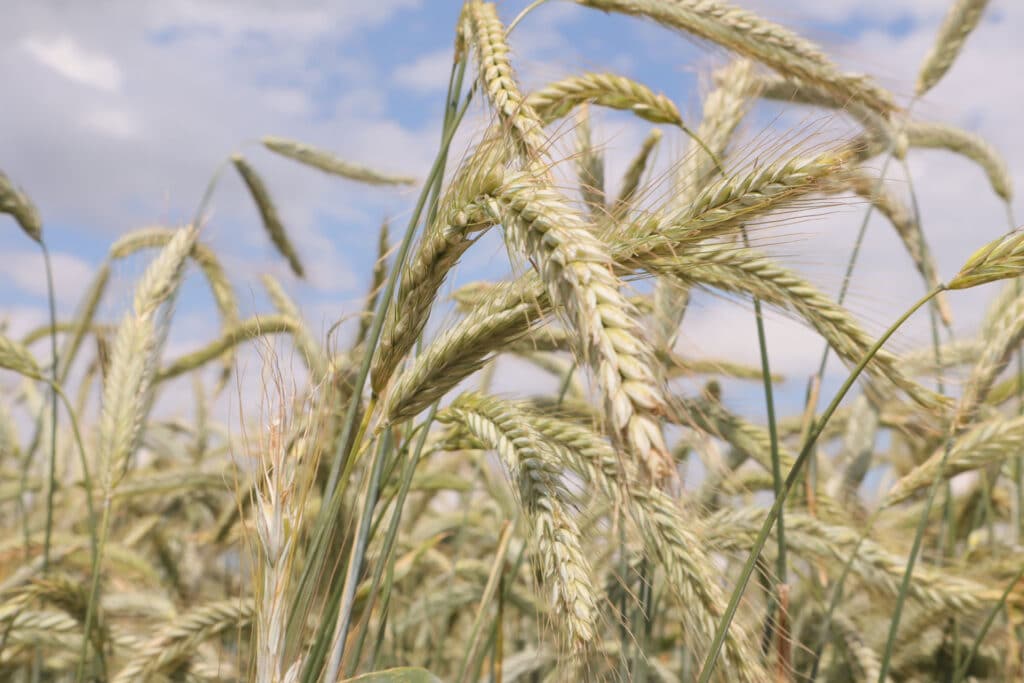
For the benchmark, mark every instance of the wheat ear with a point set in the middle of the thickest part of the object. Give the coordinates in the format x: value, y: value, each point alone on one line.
x: 458, y: 352
x: 328, y: 163
x: 564, y: 566
x: 742, y: 270
x: 722, y: 206
x: 1000, y: 259
x: 177, y: 642
x: 589, y: 163
x: 607, y: 90
x: 987, y: 443
x: 960, y: 20
x: 666, y: 534
x: 243, y: 331
x: 754, y: 37
x: 459, y: 220
x: 17, y: 358
x: 127, y: 392
x: 732, y: 530
x: 380, y: 271
x: 576, y: 271
x: 17, y: 204
x: 634, y: 174
x: 204, y: 257
x: 574, y: 266
x: 268, y: 212
x: 1003, y: 338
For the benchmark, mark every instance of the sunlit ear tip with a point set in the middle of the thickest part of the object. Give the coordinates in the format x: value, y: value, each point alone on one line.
x: 1000, y: 259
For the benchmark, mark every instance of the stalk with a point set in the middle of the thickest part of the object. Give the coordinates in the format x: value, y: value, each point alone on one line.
x: 773, y: 514
x: 343, y: 457
x: 52, y: 470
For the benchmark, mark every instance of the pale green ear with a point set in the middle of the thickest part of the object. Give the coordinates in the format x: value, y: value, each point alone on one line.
x: 17, y: 204
x: 1000, y: 259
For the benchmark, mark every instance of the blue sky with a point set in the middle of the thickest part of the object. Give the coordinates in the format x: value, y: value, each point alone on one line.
x: 116, y: 120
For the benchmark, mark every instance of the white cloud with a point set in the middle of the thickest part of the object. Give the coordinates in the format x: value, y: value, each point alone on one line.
x: 427, y: 73
x: 303, y: 21
x: 24, y: 268
x: 65, y: 56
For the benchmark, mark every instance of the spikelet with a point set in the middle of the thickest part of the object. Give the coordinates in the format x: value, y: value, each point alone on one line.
x: 498, y: 78
x: 589, y: 167
x: 459, y: 220
x: 17, y: 204
x: 176, y: 642
x: 754, y: 37
x: 205, y: 257
x: 989, y: 442
x: 15, y: 357
x: 607, y: 90
x: 268, y: 212
x: 634, y: 174
x: 380, y: 270
x: 998, y: 260
x: 564, y: 567
x: 961, y: 19
x: 573, y: 265
x: 328, y: 163
x: 576, y: 271
x: 127, y: 391
x: 667, y: 536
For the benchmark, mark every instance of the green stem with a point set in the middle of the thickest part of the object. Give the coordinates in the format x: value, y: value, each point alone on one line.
x: 408, y: 468
x: 861, y: 231
x: 989, y: 620
x: 331, y: 505
x: 566, y: 383
x: 773, y: 436
x: 901, y: 597
x: 52, y: 472
x: 355, y: 562
x: 769, y: 522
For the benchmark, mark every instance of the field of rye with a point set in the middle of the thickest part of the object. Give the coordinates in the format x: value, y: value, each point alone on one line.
x: 385, y: 516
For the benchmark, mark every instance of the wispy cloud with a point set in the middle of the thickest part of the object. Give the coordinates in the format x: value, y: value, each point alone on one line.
x: 66, y: 57
x: 24, y: 269
x: 428, y: 73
